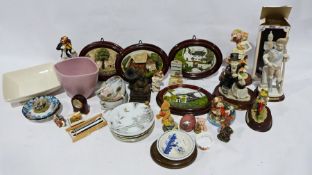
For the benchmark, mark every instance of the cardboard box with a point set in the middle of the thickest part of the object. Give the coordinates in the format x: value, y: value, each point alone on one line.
x: 272, y: 19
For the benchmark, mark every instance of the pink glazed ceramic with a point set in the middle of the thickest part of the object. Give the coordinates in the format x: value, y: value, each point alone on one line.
x: 77, y: 76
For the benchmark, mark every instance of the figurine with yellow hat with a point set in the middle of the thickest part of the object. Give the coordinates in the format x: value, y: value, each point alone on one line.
x: 166, y: 118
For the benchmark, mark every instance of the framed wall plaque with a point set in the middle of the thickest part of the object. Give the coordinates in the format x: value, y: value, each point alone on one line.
x: 200, y: 58
x: 141, y: 60
x: 104, y: 54
x: 185, y: 99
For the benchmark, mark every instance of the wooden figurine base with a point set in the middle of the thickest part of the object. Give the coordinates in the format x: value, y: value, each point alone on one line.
x: 261, y: 127
x: 239, y: 105
x: 171, y: 164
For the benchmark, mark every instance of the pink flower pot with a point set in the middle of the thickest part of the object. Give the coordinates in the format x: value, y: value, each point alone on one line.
x: 77, y: 76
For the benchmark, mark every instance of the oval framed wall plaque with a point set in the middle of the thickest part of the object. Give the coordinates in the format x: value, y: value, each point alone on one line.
x: 186, y: 99
x: 104, y: 54
x: 141, y: 60
x: 200, y: 58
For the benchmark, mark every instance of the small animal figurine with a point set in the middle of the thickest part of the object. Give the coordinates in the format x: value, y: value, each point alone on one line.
x: 167, y: 120
x: 79, y: 103
x: 200, y: 125
x: 66, y: 48
x: 225, y: 133
x: 157, y: 81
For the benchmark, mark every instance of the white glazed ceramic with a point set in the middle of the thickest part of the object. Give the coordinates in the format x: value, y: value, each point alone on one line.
x: 25, y: 84
x: 182, y: 146
x: 204, y: 141
x: 130, y: 119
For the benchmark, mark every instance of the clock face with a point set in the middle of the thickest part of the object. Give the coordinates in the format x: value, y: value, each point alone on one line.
x: 77, y: 104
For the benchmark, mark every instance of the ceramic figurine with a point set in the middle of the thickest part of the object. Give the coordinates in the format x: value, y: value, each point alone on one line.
x: 112, y: 93
x: 259, y: 117
x: 221, y: 112
x: 65, y: 46
x: 176, y: 73
x: 166, y: 118
x: 41, y: 105
x: 225, y: 133
x: 79, y: 103
x: 157, y: 81
x: 233, y: 83
x: 187, y: 122
x: 274, y: 69
x: 140, y: 90
x: 59, y: 120
x: 200, y: 125
x: 242, y: 44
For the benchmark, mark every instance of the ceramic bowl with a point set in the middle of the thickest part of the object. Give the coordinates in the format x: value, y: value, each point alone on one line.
x: 112, y: 104
x: 77, y: 76
x: 24, y: 84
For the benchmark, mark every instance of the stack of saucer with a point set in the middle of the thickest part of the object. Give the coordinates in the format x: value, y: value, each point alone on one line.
x: 174, y: 149
x: 131, y: 122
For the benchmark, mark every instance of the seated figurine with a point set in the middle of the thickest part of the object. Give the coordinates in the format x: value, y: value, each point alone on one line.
x: 166, y: 118
x: 66, y: 48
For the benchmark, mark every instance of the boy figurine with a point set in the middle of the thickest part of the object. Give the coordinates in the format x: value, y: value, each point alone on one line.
x: 66, y: 48
x: 167, y: 120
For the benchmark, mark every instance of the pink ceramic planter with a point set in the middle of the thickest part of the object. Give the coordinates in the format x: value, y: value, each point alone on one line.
x: 77, y: 76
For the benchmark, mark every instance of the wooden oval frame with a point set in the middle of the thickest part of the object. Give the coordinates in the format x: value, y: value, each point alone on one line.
x: 102, y: 44
x: 141, y: 46
x: 178, y: 111
x: 203, y: 43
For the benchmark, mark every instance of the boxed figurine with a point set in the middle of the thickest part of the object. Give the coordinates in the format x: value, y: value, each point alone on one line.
x: 273, y: 25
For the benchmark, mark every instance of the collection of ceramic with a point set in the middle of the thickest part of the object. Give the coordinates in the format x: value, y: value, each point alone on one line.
x: 142, y: 66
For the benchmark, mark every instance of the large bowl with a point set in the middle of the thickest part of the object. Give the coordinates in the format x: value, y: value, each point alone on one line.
x: 77, y: 76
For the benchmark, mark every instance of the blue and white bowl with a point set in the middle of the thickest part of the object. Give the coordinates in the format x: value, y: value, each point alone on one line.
x: 29, y: 113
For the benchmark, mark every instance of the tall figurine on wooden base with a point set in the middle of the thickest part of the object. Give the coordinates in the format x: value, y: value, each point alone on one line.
x: 235, y: 79
x: 259, y: 117
x: 274, y: 70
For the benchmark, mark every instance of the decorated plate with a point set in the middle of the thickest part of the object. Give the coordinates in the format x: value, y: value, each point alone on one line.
x: 185, y: 99
x: 104, y: 54
x: 141, y: 60
x: 40, y: 108
x: 130, y: 119
x: 200, y: 58
x: 175, y: 145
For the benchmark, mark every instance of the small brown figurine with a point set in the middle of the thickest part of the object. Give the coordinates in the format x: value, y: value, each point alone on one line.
x: 167, y: 119
x: 80, y: 104
x: 59, y: 120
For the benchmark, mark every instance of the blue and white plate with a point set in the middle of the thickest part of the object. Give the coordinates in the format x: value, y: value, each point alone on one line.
x: 175, y: 145
x: 29, y: 113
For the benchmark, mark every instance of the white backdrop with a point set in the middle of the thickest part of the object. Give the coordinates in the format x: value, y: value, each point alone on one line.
x: 30, y: 31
